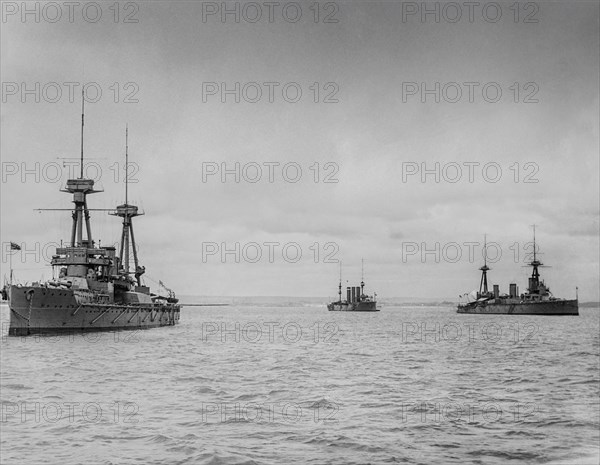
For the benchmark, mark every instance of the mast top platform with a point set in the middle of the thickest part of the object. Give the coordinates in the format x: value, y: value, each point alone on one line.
x: 85, y: 186
x: 80, y: 188
x: 127, y: 211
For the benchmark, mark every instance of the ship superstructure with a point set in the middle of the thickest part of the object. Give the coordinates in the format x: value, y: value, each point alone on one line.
x: 538, y: 300
x: 95, y: 289
x: 356, y: 299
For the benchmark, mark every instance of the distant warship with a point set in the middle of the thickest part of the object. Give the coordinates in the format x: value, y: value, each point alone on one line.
x: 356, y: 300
x: 538, y: 300
x: 95, y: 290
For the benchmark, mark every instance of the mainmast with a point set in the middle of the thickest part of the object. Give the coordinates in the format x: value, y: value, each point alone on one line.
x: 362, y: 276
x: 534, y: 281
x: 483, y: 285
x: 128, y: 212
x: 340, y: 285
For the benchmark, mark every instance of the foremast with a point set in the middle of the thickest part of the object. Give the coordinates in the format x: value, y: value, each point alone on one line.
x: 483, y: 284
x: 80, y: 188
x: 82, y: 259
x: 535, y: 286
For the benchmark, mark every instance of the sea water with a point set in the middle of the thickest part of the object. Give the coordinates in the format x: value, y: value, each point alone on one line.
x: 286, y: 381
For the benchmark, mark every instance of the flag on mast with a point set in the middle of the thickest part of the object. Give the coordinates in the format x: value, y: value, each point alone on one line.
x: 14, y: 246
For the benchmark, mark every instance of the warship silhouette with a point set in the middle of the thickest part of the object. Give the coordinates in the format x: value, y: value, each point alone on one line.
x: 356, y: 300
x: 95, y: 290
x: 538, y: 300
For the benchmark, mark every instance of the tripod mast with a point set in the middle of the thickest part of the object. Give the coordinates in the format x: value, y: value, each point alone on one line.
x: 483, y: 285
x: 128, y: 212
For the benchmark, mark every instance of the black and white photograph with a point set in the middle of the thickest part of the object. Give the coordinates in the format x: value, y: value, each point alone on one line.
x: 300, y: 232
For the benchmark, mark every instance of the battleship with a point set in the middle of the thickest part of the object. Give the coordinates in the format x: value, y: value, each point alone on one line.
x: 538, y: 300
x: 96, y: 289
x: 356, y: 300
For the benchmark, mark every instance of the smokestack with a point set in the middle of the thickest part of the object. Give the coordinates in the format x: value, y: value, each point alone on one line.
x: 496, y: 291
x: 513, y: 290
x: 353, y: 294
x: 348, y: 294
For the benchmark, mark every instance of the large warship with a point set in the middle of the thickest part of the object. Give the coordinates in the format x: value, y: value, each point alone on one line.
x: 356, y: 299
x: 538, y: 300
x: 95, y: 290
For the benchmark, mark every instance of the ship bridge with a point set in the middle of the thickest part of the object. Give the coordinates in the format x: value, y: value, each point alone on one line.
x: 80, y: 260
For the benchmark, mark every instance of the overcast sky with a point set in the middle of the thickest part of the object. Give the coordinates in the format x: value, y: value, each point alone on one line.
x: 368, y: 127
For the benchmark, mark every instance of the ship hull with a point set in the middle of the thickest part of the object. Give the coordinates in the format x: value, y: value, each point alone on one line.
x: 353, y: 307
x: 555, y: 307
x: 35, y: 310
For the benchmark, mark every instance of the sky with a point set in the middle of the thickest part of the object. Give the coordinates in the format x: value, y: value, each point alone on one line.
x: 267, y: 149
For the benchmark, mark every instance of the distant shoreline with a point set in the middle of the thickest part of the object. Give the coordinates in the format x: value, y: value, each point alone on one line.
x: 387, y: 302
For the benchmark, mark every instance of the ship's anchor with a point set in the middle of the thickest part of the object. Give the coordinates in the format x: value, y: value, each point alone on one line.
x: 18, y: 314
x: 29, y: 297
